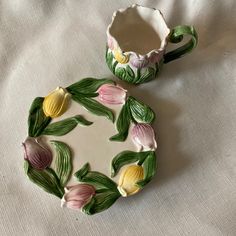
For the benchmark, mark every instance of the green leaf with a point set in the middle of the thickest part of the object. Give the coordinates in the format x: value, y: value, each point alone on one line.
x: 140, y: 112
x: 94, y: 106
x: 88, y: 86
x: 130, y: 75
x: 97, y: 179
x: 126, y: 157
x: 130, y: 71
x: 149, y: 166
x: 37, y: 121
x: 82, y: 172
x: 87, y: 95
x: 109, y: 59
x: 45, y: 179
x: 122, y: 124
x: 137, y: 78
x: 100, y: 202
x: 26, y: 167
x: 114, y: 66
x: 36, y: 104
x: 65, y: 126
x: 63, y: 162
x: 149, y: 74
x: 121, y: 73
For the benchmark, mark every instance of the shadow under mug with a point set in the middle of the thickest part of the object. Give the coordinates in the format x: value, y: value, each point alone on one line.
x: 136, y: 43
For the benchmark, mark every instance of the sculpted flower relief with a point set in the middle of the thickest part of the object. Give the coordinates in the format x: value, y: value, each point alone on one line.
x: 144, y: 137
x: 77, y: 196
x: 56, y: 103
x: 112, y: 94
x: 37, y: 154
x: 128, y: 180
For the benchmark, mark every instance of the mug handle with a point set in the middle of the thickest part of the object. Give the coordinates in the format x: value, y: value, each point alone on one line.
x: 176, y: 35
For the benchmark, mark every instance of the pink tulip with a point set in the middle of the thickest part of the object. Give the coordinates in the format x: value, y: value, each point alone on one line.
x: 144, y: 137
x: 112, y: 94
x: 77, y: 196
x: 37, y: 154
x: 139, y: 62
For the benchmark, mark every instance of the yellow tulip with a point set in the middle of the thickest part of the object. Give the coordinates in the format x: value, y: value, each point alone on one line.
x: 129, y: 177
x: 121, y: 57
x: 56, y: 103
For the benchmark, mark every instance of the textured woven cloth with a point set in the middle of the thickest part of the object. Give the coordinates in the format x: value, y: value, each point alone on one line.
x: 44, y: 44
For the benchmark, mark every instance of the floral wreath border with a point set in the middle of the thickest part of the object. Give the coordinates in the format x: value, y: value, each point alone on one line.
x: 95, y: 191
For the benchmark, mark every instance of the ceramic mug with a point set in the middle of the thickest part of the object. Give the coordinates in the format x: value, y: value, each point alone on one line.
x: 136, y: 43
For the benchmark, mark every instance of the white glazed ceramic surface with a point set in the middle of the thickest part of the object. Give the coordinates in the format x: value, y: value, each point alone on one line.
x: 136, y: 42
x: 137, y: 36
x: 91, y: 143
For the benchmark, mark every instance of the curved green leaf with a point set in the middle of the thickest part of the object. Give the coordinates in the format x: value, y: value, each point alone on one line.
x: 121, y: 73
x: 45, y: 179
x: 138, y: 75
x: 122, y: 124
x: 97, y: 179
x: 126, y: 157
x: 82, y: 172
x: 130, y: 71
x: 63, y: 127
x: 100, y: 202
x: 109, y: 59
x: 94, y: 106
x: 147, y: 75
x: 63, y: 162
x: 36, y: 104
x: 140, y: 112
x: 88, y: 86
x: 130, y: 75
x: 149, y: 166
x: 114, y: 66
x: 37, y: 121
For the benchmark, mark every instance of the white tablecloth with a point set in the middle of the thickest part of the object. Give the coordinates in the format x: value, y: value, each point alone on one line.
x: 48, y: 43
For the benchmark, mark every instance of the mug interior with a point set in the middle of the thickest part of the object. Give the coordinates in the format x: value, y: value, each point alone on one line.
x: 139, y: 29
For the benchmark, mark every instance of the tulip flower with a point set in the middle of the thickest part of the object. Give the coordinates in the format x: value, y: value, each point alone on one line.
x: 128, y: 180
x: 56, y: 103
x: 121, y: 57
x: 37, y: 154
x: 112, y: 94
x: 139, y: 62
x: 144, y: 137
x: 77, y: 196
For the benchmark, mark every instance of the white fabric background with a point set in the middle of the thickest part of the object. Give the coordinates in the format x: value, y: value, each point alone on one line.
x: 48, y: 43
